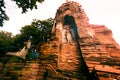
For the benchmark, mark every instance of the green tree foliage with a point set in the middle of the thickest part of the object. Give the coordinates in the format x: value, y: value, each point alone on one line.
x: 24, y: 4
x: 3, y: 15
x: 27, y: 4
x: 5, y: 42
x: 18, y: 41
x: 39, y: 30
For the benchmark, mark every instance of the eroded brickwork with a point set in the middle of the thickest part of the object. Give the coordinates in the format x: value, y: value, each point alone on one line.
x: 91, y: 54
x: 97, y: 45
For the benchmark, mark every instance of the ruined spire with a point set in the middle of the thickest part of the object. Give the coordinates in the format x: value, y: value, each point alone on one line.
x: 66, y: 1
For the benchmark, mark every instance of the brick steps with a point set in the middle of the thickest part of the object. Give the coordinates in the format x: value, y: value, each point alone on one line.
x: 33, y: 71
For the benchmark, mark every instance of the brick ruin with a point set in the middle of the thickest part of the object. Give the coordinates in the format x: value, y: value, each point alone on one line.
x: 93, y: 48
x: 77, y: 51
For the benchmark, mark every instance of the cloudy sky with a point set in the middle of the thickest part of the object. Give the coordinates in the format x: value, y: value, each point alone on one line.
x: 102, y: 12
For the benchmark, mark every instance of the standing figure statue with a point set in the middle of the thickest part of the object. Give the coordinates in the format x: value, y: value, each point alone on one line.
x: 22, y: 53
x: 64, y: 35
x: 59, y: 26
x: 68, y: 33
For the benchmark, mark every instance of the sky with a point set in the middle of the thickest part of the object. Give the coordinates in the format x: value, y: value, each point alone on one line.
x: 101, y: 12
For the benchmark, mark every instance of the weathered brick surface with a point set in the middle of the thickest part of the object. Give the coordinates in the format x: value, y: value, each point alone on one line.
x: 93, y: 49
x: 96, y: 42
x: 68, y: 57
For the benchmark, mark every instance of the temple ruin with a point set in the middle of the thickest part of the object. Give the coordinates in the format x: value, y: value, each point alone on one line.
x: 77, y: 51
x: 91, y: 47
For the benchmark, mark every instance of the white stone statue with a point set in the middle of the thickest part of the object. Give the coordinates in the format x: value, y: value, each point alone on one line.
x: 59, y: 26
x: 68, y: 33
x: 22, y: 53
x: 64, y: 35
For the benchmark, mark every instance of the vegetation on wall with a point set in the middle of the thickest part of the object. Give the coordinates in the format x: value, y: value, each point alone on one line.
x: 39, y: 30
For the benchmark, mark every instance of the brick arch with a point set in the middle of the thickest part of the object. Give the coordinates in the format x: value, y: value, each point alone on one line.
x: 69, y: 20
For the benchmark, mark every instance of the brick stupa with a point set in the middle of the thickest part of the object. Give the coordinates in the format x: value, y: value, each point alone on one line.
x: 88, y: 49
x: 77, y: 51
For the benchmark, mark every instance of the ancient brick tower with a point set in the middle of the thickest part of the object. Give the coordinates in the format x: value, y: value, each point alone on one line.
x: 78, y: 51
x: 67, y: 33
x: 77, y: 39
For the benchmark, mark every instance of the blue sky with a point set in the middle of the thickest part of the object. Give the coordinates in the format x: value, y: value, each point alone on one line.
x: 102, y: 12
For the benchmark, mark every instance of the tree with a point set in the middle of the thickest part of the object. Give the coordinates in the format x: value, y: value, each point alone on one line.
x: 18, y: 42
x: 24, y: 4
x: 40, y: 30
x: 5, y: 42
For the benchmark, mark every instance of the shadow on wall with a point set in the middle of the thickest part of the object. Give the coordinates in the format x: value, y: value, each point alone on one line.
x: 69, y: 20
